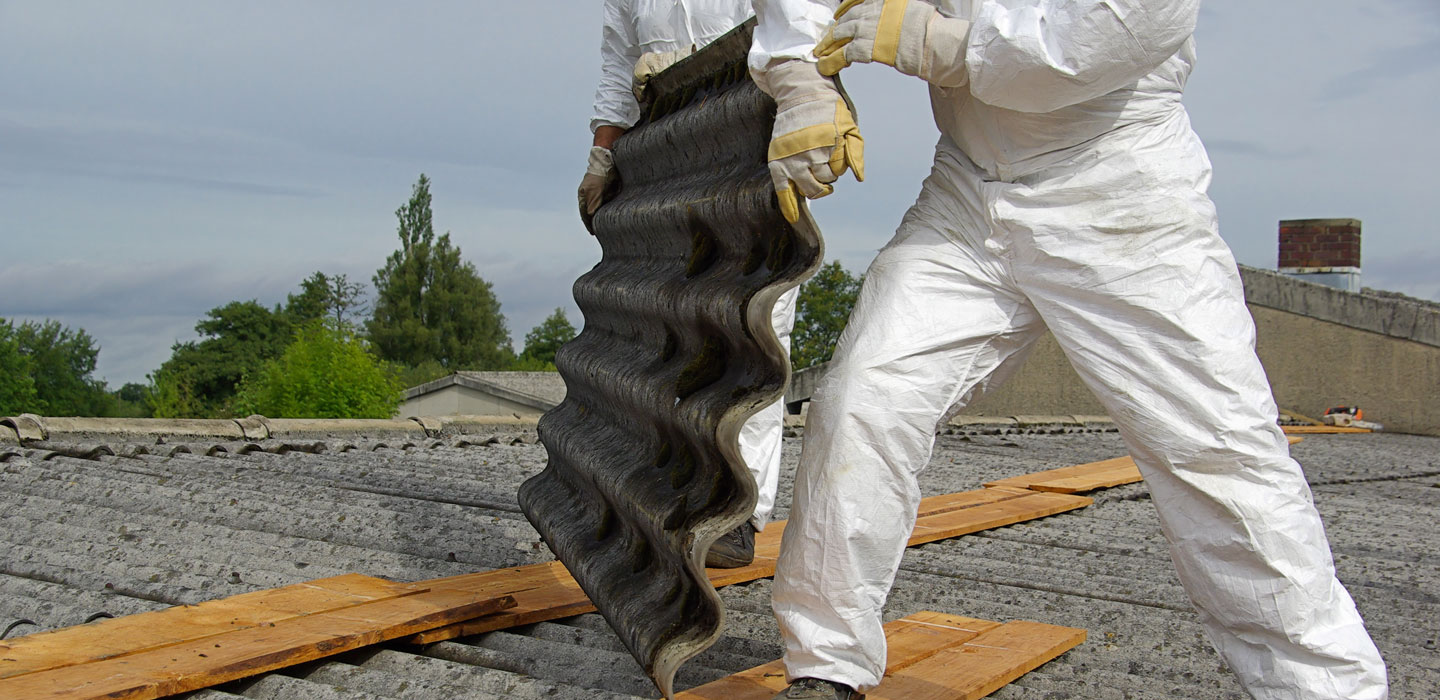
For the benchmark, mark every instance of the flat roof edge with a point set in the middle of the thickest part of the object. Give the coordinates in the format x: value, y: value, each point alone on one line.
x: 1396, y: 318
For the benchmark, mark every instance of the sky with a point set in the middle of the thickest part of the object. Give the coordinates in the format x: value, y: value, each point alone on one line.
x: 160, y: 158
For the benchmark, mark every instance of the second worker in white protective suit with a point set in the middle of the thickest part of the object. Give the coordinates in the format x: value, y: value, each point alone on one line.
x: 1068, y: 192
x: 640, y: 38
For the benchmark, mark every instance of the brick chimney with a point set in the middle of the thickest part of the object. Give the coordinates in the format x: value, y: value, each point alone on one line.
x: 1325, y: 251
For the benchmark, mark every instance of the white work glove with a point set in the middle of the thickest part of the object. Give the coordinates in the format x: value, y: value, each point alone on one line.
x: 599, y: 172
x: 910, y: 35
x: 652, y: 64
x: 815, y: 138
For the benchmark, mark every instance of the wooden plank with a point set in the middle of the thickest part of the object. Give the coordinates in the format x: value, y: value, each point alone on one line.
x: 134, y: 633
x: 980, y: 666
x: 547, y: 592
x: 1091, y: 482
x: 999, y: 514
x: 1107, y: 466
x: 932, y: 656
x: 205, y: 662
x: 1320, y: 430
x: 1080, y: 478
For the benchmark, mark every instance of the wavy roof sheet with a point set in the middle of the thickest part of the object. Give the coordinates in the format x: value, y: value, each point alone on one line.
x: 644, y: 471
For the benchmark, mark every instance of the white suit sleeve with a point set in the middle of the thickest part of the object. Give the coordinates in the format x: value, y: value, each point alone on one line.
x: 788, y: 29
x: 615, y: 104
x: 1051, y: 54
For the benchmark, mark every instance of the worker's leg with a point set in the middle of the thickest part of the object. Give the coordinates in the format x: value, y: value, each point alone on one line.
x: 760, y: 436
x: 1155, y: 322
x: 933, y: 322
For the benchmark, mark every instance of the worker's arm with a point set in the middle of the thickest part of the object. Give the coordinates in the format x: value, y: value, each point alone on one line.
x: 1056, y: 53
x: 787, y: 29
x: 615, y: 106
x: 615, y: 103
x: 815, y: 138
x: 606, y: 135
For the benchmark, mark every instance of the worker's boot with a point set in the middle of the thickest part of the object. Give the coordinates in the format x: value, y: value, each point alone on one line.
x: 734, y: 549
x: 817, y: 689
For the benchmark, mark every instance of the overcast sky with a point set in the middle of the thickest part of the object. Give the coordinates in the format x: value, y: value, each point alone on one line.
x: 161, y: 158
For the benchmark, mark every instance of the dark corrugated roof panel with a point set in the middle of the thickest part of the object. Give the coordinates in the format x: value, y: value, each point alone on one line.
x: 677, y: 351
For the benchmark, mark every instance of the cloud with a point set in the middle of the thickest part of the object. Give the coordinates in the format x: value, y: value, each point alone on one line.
x: 140, y: 151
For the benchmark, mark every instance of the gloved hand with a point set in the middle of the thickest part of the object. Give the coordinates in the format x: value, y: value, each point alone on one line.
x: 599, y: 172
x: 652, y: 64
x: 815, y: 138
x: 910, y: 35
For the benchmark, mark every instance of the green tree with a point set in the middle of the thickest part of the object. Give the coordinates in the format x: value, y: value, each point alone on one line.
x: 325, y: 373
x: 820, y: 314
x: 543, y: 340
x: 427, y: 371
x: 61, y: 361
x: 131, y: 401
x: 430, y: 304
x: 17, y: 386
x: 201, y: 377
x: 326, y: 296
x: 171, y: 395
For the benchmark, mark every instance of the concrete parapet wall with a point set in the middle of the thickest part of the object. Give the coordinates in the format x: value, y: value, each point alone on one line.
x: 1321, y: 347
x: 31, y: 429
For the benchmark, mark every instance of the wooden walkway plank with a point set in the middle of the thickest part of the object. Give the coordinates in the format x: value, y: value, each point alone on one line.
x: 1032, y: 505
x: 547, y: 591
x: 201, y: 663
x: 932, y: 656
x: 980, y: 666
x: 125, y: 635
x: 1084, y: 477
x: 1079, y: 472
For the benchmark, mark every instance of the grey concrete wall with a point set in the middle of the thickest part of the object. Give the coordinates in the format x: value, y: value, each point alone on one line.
x: 1314, y: 364
x: 460, y: 401
x: 1321, y: 347
x: 1046, y: 384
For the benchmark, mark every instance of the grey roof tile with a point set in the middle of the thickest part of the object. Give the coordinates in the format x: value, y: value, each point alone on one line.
x: 69, y: 526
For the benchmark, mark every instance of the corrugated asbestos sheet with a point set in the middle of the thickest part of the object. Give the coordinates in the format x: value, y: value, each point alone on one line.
x: 644, y: 471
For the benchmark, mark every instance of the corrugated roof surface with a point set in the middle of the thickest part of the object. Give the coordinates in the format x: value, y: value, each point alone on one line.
x: 125, y: 534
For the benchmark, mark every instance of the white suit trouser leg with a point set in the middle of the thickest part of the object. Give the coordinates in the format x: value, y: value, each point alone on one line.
x: 760, y: 437
x: 1167, y: 346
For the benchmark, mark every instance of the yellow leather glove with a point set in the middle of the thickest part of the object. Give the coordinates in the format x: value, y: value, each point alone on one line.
x: 599, y: 172
x: 910, y: 35
x: 815, y: 139
x: 650, y: 65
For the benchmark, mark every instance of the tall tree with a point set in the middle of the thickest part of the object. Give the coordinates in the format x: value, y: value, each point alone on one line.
x: 327, y: 296
x: 61, y: 362
x: 820, y: 314
x: 543, y: 340
x: 430, y: 304
x: 17, y: 386
x: 201, y: 376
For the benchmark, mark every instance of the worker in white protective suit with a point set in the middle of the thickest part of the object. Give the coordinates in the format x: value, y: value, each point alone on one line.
x: 1068, y: 193
x: 639, y: 39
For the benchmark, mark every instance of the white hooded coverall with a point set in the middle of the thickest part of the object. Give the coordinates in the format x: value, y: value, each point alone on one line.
x: 632, y: 28
x: 1068, y: 192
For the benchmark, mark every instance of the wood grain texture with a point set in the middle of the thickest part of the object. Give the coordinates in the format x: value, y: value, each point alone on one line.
x: 200, y: 663
x: 932, y: 656
x: 133, y: 633
x: 547, y: 592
